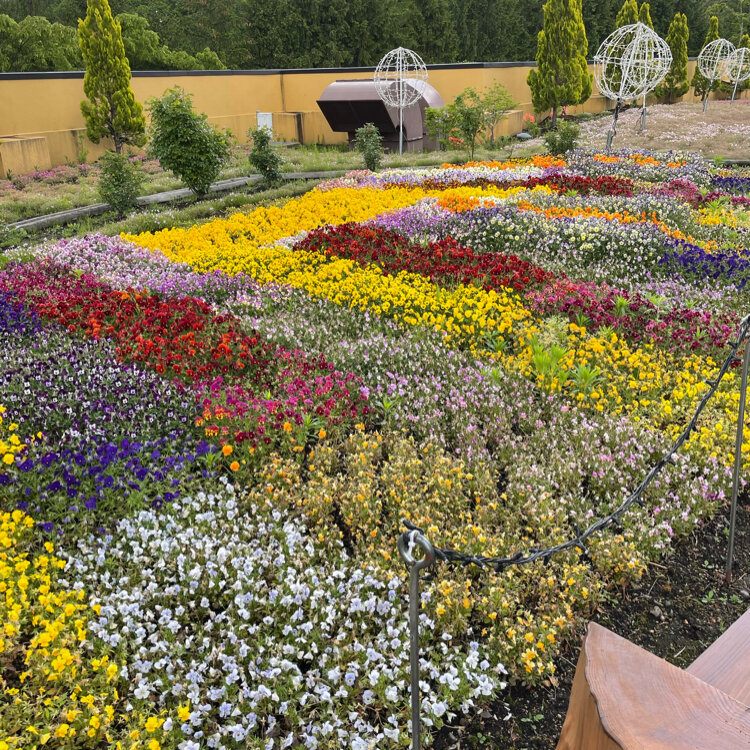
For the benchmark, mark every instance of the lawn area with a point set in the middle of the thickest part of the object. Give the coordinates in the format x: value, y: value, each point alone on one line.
x: 211, y: 435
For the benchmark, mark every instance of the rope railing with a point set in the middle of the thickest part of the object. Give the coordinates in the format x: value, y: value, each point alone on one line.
x: 415, y: 537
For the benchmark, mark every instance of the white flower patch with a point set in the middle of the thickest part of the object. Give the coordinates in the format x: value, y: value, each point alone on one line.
x: 276, y: 641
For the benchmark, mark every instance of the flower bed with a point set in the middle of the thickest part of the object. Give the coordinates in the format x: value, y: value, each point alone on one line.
x: 221, y: 429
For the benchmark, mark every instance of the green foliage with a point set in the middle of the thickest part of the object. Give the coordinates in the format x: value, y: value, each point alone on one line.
x: 185, y: 142
x: 700, y: 83
x: 561, y: 77
x: 563, y: 138
x: 120, y: 181
x: 628, y: 14
x: 369, y: 142
x: 644, y: 15
x: 466, y: 115
x: 209, y: 60
x: 111, y: 109
x: 438, y: 125
x: 263, y: 158
x: 675, y: 84
x: 35, y: 44
x: 496, y: 102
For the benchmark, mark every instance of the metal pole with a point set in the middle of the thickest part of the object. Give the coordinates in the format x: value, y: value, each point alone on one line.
x: 643, y: 114
x: 612, y: 131
x: 737, y: 462
x: 406, y: 543
x: 400, y: 131
x: 734, y: 90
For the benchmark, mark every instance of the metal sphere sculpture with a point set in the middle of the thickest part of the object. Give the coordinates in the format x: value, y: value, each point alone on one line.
x: 400, y: 80
x: 738, y: 67
x: 713, y: 63
x: 631, y: 62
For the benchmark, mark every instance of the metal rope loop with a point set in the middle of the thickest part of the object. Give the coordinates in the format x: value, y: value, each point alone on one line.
x: 406, y: 543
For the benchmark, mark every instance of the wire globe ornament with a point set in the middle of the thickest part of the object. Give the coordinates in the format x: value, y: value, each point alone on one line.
x: 400, y: 80
x: 738, y: 67
x: 713, y: 63
x: 630, y: 62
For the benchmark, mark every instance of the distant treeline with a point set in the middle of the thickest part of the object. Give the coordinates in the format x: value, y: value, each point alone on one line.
x: 207, y: 34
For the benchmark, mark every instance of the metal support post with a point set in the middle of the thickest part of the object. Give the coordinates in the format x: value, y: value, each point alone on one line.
x: 737, y: 462
x: 406, y: 544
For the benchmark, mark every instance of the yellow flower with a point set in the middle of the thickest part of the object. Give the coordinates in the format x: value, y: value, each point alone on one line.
x: 62, y: 730
x: 184, y: 712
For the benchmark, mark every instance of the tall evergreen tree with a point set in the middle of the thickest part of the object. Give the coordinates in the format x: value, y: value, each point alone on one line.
x: 701, y: 85
x: 111, y: 109
x: 628, y: 14
x: 561, y: 77
x: 675, y: 83
x: 644, y: 15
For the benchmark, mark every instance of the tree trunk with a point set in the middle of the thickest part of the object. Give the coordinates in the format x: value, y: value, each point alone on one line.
x: 554, y: 116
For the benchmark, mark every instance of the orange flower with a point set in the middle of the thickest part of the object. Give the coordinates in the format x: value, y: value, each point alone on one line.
x: 227, y: 450
x: 234, y: 466
x: 287, y: 427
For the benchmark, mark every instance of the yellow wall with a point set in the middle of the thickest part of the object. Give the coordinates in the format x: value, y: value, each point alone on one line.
x: 46, y: 107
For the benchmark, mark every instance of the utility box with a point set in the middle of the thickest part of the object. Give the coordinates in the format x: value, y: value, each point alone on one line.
x: 350, y: 104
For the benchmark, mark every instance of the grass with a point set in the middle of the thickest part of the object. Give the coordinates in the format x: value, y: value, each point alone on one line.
x: 72, y: 186
x: 185, y: 213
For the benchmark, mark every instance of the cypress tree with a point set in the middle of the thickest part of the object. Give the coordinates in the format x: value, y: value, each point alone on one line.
x: 700, y: 83
x: 111, y: 109
x: 675, y: 83
x: 628, y: 14
x: 644, y: 15
x: 561, y: 77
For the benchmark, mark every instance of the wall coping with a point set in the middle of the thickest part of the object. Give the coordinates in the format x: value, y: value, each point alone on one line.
x: 266, y: 71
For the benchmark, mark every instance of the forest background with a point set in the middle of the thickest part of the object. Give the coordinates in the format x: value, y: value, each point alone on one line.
x: 41, y: 35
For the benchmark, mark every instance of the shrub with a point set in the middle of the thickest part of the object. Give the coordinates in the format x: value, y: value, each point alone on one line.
x: 369, y: 142
x: 263, y: 158
x: 120, y: 181
x: 185, y: 142
x: 563, y: 138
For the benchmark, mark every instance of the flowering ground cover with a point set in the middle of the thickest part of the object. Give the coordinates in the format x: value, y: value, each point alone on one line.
x: 209, y: 439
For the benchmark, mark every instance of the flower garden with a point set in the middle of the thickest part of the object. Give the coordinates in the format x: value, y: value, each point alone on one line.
x: 210, y: 437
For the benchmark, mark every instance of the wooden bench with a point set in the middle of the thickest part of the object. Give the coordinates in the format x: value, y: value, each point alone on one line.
x: 625, y: 698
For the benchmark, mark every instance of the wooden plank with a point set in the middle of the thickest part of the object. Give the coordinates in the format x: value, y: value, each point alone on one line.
x: 644, y: 703
x: 582, y: 729
x: 725, y: 664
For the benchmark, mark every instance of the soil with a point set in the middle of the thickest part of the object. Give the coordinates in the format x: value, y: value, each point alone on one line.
x: 679, y: 608
x: 723, y: 130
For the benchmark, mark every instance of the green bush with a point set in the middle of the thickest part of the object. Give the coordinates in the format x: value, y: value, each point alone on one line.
x: 263, y: 158
x: 369, y: 142
x: 563, y: 138
x: 185, y: 142
x: 120, y: 181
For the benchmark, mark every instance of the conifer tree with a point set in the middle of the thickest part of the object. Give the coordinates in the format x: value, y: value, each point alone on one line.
x: 675, y: 83
x: 644, y: 15
x: 700, y: 83
x: 561, y: 77
x: 628, y: 13
x: 111, y: 109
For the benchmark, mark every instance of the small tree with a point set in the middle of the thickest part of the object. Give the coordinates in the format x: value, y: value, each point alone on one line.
x: 185, y: 142
x: 701, y: 85
x: 675, y: 83
x: 496, y: 102
x: 438, y: 125
x: 111, y: 109
x: 628, y: 14
x: 466, y: 116
x: 561, y: 77
x: 263, y: 158
x: 120, y: 181
x: 369, y: 142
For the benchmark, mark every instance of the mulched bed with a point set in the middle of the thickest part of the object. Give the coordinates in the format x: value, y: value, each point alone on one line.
x: 676, y: 611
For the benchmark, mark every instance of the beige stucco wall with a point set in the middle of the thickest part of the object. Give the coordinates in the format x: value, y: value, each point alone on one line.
x: 42, y: 109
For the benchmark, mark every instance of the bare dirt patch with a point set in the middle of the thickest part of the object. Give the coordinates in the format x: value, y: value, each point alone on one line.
x: 724, y: 130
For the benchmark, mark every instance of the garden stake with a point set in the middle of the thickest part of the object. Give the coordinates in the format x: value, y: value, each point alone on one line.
x: 406, y: 543
x: 737, y: 461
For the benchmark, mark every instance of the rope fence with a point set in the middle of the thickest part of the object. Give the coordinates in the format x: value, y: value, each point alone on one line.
x: 414, y: 537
